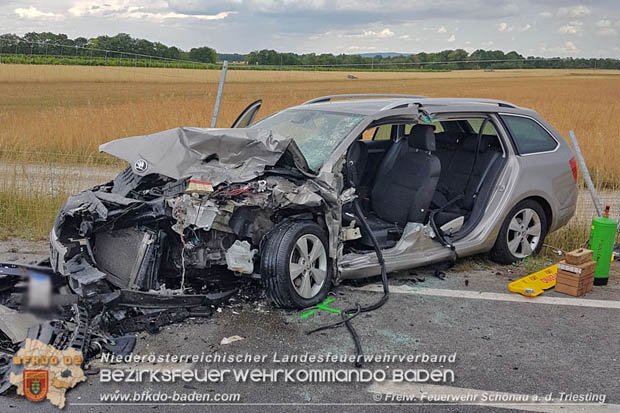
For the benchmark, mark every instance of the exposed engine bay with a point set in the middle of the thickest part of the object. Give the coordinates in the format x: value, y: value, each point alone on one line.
x: 157, y: 233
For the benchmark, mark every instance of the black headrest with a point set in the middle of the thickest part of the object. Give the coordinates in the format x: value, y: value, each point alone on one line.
x: 422, y: 137
x: 471, y: 142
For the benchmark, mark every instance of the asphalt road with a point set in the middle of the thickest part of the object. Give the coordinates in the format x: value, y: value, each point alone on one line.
x: 504, y: 347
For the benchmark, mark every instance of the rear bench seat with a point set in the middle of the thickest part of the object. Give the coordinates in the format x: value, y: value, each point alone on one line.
x: 457, y: 153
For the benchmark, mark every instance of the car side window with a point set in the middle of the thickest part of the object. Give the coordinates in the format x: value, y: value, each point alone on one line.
x: 438, y: 127
x: 489, y: 129
x: 528, y: 135
x: 378, y: 133
x: 382, y: 133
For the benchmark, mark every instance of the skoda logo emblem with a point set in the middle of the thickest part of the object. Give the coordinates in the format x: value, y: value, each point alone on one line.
x: 140, y: 166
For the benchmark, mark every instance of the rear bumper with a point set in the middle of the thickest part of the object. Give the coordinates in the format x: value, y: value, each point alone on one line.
x: 566, y: 207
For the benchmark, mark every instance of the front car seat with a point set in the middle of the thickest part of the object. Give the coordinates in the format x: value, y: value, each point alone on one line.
x: 403, y: 191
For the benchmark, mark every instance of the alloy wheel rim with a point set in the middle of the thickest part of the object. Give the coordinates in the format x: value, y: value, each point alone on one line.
x: 308, y: 266
x: 524, y: 233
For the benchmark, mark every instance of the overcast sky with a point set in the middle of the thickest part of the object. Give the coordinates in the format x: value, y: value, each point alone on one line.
x: 531, y: 27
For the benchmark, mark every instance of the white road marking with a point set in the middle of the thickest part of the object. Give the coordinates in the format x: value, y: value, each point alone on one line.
x: 475, y: 397
x: 479, y: 295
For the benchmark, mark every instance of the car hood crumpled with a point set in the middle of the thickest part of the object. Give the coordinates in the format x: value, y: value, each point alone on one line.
x: 214, y: 155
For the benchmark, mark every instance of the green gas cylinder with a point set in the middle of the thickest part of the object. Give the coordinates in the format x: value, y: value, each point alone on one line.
x: 602, y: 239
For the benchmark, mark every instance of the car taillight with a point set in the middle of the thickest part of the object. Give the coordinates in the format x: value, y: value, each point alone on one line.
x: 573, y: 167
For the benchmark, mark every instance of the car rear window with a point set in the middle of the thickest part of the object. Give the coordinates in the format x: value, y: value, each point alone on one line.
x: 528, y: 135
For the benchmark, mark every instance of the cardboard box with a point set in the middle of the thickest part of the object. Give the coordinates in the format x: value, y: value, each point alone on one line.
x: 579, y: 256
x: 573, y: 280
x: 581, y: 269
x: 570, y: 290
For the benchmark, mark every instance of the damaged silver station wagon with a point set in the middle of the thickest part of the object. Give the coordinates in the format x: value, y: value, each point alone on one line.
x: 306, y: 197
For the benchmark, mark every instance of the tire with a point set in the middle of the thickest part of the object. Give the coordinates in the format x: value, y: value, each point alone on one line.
x: 518, y: 239
x: 282, y: 255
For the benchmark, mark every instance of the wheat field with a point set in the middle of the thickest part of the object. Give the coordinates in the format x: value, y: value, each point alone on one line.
x: 58, y: 115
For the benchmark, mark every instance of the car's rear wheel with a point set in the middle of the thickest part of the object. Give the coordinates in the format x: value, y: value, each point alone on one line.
x: 522, y: 234
x: 295, y: 266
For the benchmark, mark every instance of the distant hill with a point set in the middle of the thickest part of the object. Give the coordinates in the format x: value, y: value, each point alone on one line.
x: 384, y: 54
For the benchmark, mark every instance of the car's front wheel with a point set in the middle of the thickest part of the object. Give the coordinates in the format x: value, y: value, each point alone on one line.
x: 522, y: 234
x: 295, y: 266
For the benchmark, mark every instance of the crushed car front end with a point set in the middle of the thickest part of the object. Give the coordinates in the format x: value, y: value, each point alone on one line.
x: 194, y: 205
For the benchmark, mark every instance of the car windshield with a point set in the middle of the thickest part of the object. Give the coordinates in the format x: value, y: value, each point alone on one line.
x: 316, y: 132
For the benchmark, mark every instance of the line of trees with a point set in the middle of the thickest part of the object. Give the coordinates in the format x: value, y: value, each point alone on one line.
x: 51, y: 44
x: 114, y: 49
x: 444, y: 60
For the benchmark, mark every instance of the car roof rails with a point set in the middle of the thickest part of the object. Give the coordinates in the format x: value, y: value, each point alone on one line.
x: 323, y: 99
x: 431, y: 101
